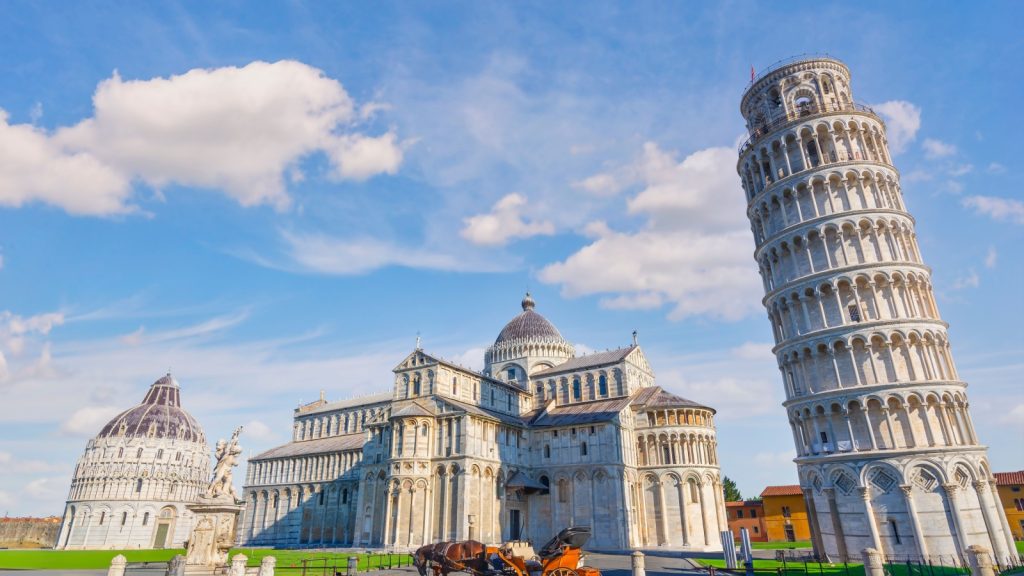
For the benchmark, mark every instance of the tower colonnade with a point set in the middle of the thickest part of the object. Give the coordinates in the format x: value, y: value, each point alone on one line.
x: 886, y: 450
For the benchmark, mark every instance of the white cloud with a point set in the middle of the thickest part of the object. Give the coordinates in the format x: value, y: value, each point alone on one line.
x: 692, y: 253
x: 600, y: 184
x: 1001, y: 209
x: 86, y: 422
x: 968, y: 280
x: 235, y: 130
x: 937, y: 149
x: 328, y: 255
x: 35, y: 114
x: 504, y: 223
x: 33, y: 168
x: 991, y: 257
x: 259, y: 431
x: 46, y: 489
x: 996, y: 168
x: 961, y: 170
x: 902, y: 120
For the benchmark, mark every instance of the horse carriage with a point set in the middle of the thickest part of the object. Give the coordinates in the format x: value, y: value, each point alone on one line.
x: 561, y: 556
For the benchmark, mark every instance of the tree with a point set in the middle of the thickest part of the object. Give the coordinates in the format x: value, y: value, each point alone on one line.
x: 730, y: 490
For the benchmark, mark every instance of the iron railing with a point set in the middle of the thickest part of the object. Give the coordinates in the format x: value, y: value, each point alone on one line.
x: 785, y: 62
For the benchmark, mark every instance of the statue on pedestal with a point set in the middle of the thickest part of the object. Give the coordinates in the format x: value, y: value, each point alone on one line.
x: 216, y: 512
x: 227, y: 458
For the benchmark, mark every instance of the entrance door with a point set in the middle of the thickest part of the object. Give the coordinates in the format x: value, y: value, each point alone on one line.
x: 161, y: 535
x: 514, y: 525
x: 790, y: 534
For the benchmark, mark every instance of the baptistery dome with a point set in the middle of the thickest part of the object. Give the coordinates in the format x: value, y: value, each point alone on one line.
x: 158, y: 416
x: 133, y: 483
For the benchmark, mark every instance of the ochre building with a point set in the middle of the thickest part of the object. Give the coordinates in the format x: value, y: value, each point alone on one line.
x: 541, y: 439
x: 1011, y: 496
x: 747, y: 514
x: 785, y: 515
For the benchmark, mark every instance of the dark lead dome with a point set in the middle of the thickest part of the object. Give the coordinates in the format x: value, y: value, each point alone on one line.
x: 159, y: 416
x: 529, y: 325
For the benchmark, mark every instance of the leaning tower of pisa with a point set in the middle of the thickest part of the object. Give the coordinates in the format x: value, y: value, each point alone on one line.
x: 886, y: 450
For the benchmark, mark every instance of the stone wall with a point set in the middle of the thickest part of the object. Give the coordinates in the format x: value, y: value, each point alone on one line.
x: 29, y: 532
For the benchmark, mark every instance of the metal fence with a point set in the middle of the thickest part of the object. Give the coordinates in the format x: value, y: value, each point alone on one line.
x: 342, y: 565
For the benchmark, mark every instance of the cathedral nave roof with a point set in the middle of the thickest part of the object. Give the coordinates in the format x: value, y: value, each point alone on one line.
x: 318, y: 446
x: 581, y: 413
x: 588, y: 361
x: 657, y: 397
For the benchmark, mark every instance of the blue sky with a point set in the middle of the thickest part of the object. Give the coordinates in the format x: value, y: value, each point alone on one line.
x: 273, y: 199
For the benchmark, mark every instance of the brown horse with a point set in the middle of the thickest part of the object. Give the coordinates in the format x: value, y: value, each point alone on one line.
x: 445, y: 557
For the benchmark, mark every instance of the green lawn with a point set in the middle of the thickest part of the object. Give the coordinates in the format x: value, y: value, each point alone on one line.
x: 99, y: 559
x: 771, y: 567
x: 780, y: 545
x: 1020, y: 546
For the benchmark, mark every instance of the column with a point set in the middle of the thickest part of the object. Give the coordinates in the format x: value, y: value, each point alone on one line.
x: 1007, y: 533
x: 888, y: 423
x: 849, y: 430
x: 684, y: 524
x: 837, y: 524
x: 865, y: 494
x: 812, y: 518
x: 915, y: 522
x: 663, y: 540
x: 954, y: 506
x: 704, y: 515
x: 991, y: 524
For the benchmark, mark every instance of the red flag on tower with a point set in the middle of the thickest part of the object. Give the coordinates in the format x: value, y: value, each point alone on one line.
x: 751, y: 72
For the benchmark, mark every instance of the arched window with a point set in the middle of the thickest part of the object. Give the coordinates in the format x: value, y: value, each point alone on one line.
x: 416, y: 385
x: 577, y: 390
x: 139, y: 453
x: 540, y: 391
x: 145, y: 518
x: 120, y: 452
x: 563, y: 491
x: 583, y: 449
x: 138, y: 485
x: 602, y: 385
x: 455, y: 386
x: 344, y: 496
x: 103, y: 516
x: 124, y: 518
x: 321, y: 498
x: 512, y: 373
x: 547, y: 451
x: 159, y: 453
x: 547, y: 483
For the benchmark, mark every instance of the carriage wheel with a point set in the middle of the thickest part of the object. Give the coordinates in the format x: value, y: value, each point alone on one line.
x: 562, y: 572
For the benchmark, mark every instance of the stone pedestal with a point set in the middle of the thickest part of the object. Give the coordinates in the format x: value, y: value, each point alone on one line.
x: 873, y: 562
x: 638, y: 563
x: 117, y: 565
x: 980, y: 560
x: 213, y: 533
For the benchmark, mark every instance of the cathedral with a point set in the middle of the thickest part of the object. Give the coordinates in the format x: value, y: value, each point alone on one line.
x: 541, y: 439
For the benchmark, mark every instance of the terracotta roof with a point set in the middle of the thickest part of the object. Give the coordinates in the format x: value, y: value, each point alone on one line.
x: 369, y: 399
x: 1008, y: 478
x: 787, y: 490
x: 742, y: 503
x: 587, y: 361
x: 318, y: 446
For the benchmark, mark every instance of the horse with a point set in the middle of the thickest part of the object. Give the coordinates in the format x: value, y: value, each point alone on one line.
x: 445, y: 557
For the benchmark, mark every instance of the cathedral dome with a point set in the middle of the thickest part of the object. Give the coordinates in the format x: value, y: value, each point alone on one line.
x: 160, y: 415
x: 529, y: 325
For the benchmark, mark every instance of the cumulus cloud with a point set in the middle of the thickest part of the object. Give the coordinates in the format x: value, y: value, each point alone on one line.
x: 601, y: 184
x: 937, y: 149
x: 996, y: 168
x: 504, y: 223
x: 259, y: 431
x: 1001, y: 209
x: 693, y: 252
x: 902, y: 120
x: 238, y: 130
